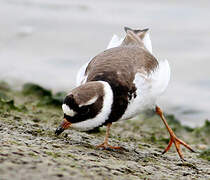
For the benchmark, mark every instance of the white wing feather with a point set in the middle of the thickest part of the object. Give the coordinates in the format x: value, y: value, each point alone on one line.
x: 114, y: 42
x: 147, y: 42
x: 81, y: 78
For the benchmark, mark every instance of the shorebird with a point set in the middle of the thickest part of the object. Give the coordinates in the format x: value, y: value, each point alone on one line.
x: 118, y: 84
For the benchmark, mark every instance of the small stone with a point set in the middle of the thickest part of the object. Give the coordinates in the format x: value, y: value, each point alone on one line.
x: 186, y: 174
x: 202, y: 146
x: 59, y: 175
x: 36, y: 120
x: 56, y: 146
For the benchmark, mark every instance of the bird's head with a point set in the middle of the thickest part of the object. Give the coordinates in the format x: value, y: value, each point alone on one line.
x: 84, y: 104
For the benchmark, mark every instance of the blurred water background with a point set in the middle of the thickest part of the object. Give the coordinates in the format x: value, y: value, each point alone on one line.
x: 46, y: 41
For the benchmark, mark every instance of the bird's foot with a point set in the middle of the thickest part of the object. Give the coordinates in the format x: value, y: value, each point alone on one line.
x: 107, y: 146
x: 177, y: 143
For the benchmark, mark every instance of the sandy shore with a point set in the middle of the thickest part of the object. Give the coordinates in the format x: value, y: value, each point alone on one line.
x: 30, y: 150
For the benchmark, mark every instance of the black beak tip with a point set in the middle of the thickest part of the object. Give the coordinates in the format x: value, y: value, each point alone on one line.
x: 58, y: 131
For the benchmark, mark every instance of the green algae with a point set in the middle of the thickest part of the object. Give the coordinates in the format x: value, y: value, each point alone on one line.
x: 205, y: 154
x: 203, y: 129
x: 32, y: 154
x: 46, y: 97
x: 59, y: 97
x: 4, y: 86
x: 53, y: 154
x: 203, y: 133
x: 176, y: 124
x: 30, y: 88
x: 7, y: 103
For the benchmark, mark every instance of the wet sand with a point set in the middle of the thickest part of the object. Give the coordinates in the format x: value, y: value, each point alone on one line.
x: 29, y: 148
x: 47, y: 41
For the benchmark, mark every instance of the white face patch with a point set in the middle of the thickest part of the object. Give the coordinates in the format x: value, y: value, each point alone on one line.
x: 91, y: 101
x: 68, y: 111
x: 104, y: 113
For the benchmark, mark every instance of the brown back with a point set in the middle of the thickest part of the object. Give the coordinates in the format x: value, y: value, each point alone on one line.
x: 122, y: 62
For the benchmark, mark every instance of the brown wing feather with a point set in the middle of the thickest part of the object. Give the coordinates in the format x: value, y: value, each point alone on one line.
x: 123, y: 62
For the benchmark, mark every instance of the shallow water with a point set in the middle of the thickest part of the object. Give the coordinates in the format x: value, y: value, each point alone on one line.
x: 47, y: 41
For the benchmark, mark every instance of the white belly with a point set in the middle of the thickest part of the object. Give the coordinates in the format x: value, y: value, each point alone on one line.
x: 149, y: 88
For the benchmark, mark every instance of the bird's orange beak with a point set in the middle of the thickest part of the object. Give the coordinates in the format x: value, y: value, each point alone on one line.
x: 64, y: 125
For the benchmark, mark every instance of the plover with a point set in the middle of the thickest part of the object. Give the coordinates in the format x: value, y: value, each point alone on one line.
x: 118, y: 84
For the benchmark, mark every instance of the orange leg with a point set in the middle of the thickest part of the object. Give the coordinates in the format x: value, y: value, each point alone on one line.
x: 173, y: 138
x: 105, y: 144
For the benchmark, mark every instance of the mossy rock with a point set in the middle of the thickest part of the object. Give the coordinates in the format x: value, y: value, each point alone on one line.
x: 6, y: 103
x: 204, y: 129
x: 4, y: 86
x: 56, y: 99
x: 45, y: 96
x: 59, y: 97
x: 4, y: 97
x: 31, y: 88
x: 205, y: 154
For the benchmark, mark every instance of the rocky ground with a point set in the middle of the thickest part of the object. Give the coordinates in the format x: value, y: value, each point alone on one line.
x: 29, y: 148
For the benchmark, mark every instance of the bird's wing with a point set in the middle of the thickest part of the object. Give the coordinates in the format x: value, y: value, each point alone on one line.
x: 114, y: 42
